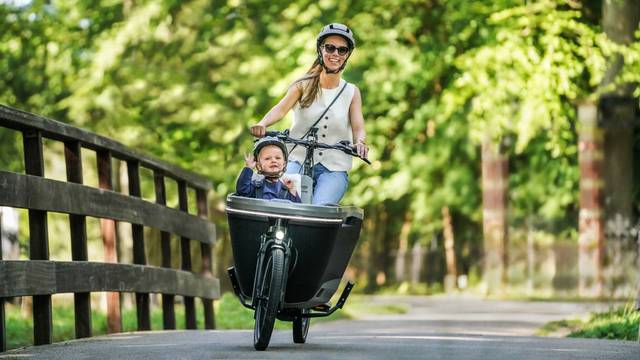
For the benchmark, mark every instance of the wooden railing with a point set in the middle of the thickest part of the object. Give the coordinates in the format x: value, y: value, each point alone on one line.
x: 40, y: 277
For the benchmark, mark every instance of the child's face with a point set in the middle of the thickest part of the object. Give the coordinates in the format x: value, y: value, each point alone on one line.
x: 271, y: 159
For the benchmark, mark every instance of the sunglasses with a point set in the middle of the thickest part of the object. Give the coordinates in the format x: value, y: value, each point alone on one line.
x: 330, y: 49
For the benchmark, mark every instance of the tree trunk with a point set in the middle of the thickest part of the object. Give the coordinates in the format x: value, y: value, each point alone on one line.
x: 109, y: 241
x: 638, y: 279
x: 371, y: 250
x: 381, y: 248
x: 417, y: 259
x: 494, y: 216
x: 124, y: 245
x: 617, y: 110
x: 450, y: 252
x: 591, y: 234
x: 531, y: 258
x: 403, y: 243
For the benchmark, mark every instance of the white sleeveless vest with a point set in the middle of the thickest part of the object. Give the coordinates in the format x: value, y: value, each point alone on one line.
x: 334, y: 126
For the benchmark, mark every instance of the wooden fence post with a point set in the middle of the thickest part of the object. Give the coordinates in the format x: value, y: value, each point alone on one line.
x: 205, y: 249
x: 168, y: 300
x: 108, y: 227
x: 139, y: 257
x: 38, y: 238
x: 185, y: 249
x: 78, y: 228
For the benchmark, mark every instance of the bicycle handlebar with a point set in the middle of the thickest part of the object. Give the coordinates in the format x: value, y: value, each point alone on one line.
x: 343, y: 146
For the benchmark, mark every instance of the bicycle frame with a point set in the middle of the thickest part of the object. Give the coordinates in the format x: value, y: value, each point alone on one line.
x: 276, y: 237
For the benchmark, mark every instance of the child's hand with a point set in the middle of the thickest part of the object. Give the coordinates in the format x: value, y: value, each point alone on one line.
x: 250, y: 161
x: 290, y: 185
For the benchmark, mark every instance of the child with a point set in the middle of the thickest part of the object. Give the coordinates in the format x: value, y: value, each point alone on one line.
x: 270, y: 159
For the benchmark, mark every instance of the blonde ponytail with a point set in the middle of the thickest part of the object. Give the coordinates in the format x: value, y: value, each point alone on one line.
x: 310, y: 84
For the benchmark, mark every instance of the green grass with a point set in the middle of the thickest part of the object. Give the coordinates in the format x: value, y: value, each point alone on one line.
x: 621, y: 324
x: 559, y: 327
x: 359, y: 305
x: 230, y: 314
x: 20, y: 328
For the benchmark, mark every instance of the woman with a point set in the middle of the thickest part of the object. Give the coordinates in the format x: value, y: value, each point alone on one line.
x: 323, y: 98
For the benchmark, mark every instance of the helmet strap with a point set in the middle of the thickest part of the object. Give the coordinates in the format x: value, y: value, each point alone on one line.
x: 271, y: 175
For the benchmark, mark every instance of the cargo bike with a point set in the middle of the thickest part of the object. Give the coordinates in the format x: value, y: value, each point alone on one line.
x: 289, y: 258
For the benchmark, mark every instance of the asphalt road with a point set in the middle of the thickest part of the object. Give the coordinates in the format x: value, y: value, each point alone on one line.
x: 433, y: 328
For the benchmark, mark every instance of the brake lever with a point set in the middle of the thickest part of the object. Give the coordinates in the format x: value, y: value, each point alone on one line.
x: 352, y: 149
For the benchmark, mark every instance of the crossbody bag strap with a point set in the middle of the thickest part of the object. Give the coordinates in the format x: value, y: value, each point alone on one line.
x: 327, y: 109
x: 320, y: 118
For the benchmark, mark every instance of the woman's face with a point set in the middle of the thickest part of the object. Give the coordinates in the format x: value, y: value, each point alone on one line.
x: 332, y: 48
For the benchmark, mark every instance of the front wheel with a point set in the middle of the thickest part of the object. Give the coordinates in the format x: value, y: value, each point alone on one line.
x: 269, y: 295
x: 301, y: 328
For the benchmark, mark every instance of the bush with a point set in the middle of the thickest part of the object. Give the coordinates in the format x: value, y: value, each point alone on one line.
x: 621, y: 324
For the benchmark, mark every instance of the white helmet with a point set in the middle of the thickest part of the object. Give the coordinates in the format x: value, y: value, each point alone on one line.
x: 339, y: 30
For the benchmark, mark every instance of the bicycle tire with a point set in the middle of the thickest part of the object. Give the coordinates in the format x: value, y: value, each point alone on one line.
x: 269, y: 298
x: 300, y: 328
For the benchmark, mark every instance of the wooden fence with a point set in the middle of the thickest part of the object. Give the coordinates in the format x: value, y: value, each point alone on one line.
x: 40, y: 277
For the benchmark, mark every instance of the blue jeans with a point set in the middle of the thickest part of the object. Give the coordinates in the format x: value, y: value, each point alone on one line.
x: 328, y: 186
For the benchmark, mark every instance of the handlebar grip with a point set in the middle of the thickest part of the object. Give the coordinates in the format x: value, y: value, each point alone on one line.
x: 355, y: 153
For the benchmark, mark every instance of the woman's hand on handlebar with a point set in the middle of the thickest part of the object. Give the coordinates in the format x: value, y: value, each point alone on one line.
x: 362, y: 149
x: 258, y: 130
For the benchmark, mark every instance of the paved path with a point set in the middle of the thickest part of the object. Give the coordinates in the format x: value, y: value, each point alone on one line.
x: 434, y: 328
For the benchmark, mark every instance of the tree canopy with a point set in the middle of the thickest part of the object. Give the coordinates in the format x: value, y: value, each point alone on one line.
x: 183, y: 80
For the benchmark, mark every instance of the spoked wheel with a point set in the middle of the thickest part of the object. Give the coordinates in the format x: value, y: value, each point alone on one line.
x: 269, y: 297
x: 301, y: 328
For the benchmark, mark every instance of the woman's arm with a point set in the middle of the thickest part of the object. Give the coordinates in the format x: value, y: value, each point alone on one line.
x: 278, y: 111
x: 357, y: 124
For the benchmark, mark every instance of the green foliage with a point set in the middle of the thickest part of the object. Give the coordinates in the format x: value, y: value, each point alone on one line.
x: 620, y: 323
x: 183, y: 80
x: 19, y: 329
x: 524, y: 79
x: 557, y: 326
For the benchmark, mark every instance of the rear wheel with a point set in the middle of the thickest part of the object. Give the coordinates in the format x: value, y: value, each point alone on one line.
x: 301, y: 328
x: 269, y: 295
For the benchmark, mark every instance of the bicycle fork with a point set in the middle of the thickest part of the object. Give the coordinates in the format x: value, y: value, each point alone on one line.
x: 275, y: 237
